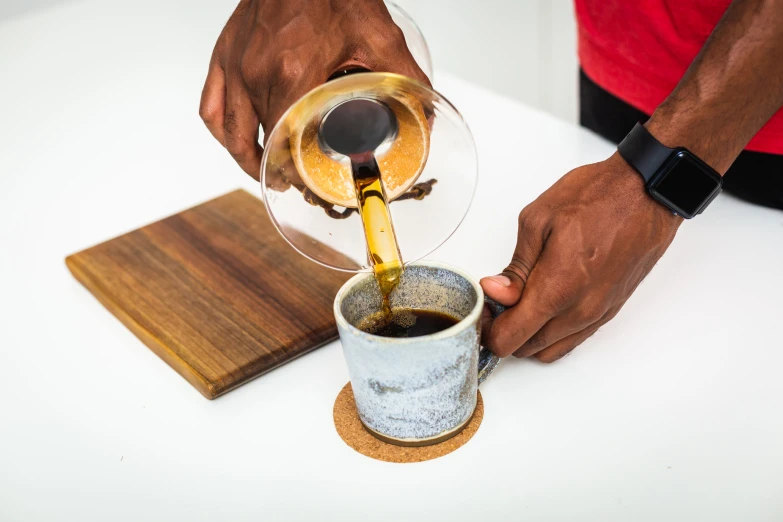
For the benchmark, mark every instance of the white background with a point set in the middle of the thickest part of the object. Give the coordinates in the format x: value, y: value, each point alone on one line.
x: 670, y: 412
x: 524, y: 49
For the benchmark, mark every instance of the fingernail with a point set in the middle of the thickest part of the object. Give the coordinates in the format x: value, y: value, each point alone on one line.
x: 501, y: 280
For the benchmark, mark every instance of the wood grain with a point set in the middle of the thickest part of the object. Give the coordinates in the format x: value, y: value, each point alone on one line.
x: 214, y: 291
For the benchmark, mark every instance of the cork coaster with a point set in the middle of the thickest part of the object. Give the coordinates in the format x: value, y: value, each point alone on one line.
x: 350, y: 429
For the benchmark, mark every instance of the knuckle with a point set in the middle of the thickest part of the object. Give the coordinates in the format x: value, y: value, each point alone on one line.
x: 524, y: 218
x: 500, y: 342
x: 550, y: 356
x: 239, y: 144
x: 588, y: 314
x: 208, y: 112
x: 230, y: 124
x: 559, y: 297
x: 388, y: 41
x: 530, y: 219
x: 557, y: 351
x: 395, y: 39
x: 535, y: 343
x: 239, y: 147
x: 609, y: 315
x: 547, y: 357
x: 249, y: 68
x: 520, y: 267
x: 289, y: 69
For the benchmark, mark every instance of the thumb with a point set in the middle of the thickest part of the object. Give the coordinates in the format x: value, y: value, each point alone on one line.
x: 506, y: 288
x: 503, y: 288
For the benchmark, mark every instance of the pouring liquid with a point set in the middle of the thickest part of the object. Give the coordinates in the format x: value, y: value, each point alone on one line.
x: 356, y: 129
x: 382, y: 248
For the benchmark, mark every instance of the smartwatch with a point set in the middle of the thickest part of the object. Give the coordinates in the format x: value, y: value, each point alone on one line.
x: 676, y: 178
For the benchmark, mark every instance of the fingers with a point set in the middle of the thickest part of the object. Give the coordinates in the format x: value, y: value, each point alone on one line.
x: 564, y: 346
x: 532, y: 232
x: 225, y: 106
x: 275, y: 82
x: 397, y: 49
x: 240, y: 128
x: 402, y: 62
x: 506, y: 288
x: 381, y: 47
x: 502, y: 289
x: 572, y: 321
x: 395, y: 57
x: 486, y: 318
x: 287, y: 85
x: 213, y: 101
x: 518, y: 324
x: 556, y: 329
x: 513, y: 287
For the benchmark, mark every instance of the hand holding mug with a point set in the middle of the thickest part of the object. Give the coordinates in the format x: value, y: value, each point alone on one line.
x: 583, y: 247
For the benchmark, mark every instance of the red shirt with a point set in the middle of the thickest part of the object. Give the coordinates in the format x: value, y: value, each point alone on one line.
x: 638, y: 50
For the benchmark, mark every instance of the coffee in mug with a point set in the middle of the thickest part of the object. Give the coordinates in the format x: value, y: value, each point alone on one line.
x: 418, y: 384
x: 407, y: 322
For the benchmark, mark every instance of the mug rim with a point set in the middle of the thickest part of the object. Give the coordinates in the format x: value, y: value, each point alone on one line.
x: 463, y: 323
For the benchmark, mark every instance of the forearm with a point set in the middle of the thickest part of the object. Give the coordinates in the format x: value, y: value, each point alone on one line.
x: 731, y: 89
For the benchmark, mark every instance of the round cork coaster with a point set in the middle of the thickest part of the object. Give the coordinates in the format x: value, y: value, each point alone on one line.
x: 351, y: 430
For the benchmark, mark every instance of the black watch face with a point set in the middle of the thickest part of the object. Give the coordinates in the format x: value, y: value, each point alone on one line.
x: 685, y: 184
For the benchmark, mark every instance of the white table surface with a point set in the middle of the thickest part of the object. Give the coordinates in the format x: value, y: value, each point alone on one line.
x: 674, y: 411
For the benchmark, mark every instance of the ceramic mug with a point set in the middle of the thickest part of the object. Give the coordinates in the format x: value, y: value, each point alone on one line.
x: 416, y: 391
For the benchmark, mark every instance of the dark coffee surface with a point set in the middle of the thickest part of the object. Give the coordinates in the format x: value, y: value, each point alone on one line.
x: 406, y: 322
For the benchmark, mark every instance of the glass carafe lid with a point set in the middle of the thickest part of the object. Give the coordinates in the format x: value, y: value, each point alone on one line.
x: 423, y: 148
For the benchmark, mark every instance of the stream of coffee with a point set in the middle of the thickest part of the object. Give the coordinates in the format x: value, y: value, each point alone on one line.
x: 356, y: 129
x: 382, y: 248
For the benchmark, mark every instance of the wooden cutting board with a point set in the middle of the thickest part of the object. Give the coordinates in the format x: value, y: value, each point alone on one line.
x: 214, y: 291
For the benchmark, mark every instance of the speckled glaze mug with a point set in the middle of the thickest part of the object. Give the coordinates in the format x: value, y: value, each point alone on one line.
x: 416, y: 391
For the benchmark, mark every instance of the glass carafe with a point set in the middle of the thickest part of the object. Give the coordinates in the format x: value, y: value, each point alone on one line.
x: 427, y: 163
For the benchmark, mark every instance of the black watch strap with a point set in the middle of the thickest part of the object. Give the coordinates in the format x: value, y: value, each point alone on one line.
x: 643, y: 152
